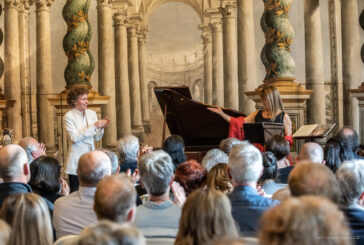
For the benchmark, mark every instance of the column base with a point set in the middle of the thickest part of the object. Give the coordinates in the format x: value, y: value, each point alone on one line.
x: 147, y: 127
x: 138, y: 131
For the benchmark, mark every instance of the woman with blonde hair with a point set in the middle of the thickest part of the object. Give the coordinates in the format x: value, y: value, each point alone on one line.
x: 29, y: 218
x: 273, y: 112
x: 206, y: 215
x: 218, y: 179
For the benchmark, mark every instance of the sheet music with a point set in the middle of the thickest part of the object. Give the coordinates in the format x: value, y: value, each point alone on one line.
x: 305, y: 130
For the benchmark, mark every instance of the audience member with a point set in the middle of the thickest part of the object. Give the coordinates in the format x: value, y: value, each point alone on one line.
x: 314, y: 179
x: 109, y: 233
x: 245, y: 167
x: 332, y: 154
x: 5, y: 232
x: 213, y: 157
x: 206, y: 215
x: 306, y: 220
x: 115, y: 199
x: 280, y: 149
x: 156, y: 174
x: 175, y: 147
x: 350, y: 138
x: 218, y: 179
x: 227, y: 144
x: 191, y: 175
x: 46, y: 178
x: 115, y: 167
x: 350, y: 176
x: 311, y: 152
x: 33, y: 148
x: 74, y: 212
x: 28, y: 215
x: 267, y: 180
x: 128, y: 149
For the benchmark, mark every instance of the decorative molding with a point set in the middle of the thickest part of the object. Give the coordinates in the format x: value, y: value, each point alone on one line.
x: 11, y: 4
x: 228, y: 8
x: 132, y: 30
x: 43, y: 4
x: 121, y: 17
x: 206, y: 33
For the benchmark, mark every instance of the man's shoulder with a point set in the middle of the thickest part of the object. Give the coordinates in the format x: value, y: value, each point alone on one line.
x: 64, y: 200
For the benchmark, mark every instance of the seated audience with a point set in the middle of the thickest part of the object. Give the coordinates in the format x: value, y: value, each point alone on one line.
x: 214, y: 157
x: 206, y: 216
x: 158, y: 216
x: 350, y: 176
x: 306, y: 220
x: 5, y: 232
x: 350, y: 138
x: 332, y: 154
x: 227, y: 144
x: 311, y: 152
x: 280, y: 149
x: 115, y: 199
x: 269, y: 174
x: 74, y: 212
x: 191, y: 175
x: 245, y: 167
x: 46, y: 178
x: 314, y: 179
x: 175, y: 147
x: 109, y: 233
x: 115, y: 167
x: 128, y: 149
x: 218, y: 179
x: 28, y: 215
x: 33, y: 148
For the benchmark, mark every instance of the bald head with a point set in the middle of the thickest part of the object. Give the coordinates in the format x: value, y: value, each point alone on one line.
x: 311, y: 152
x: 14, y: 164
x: 115, y: 197
x: 31, y: 147
x: 93, y: 167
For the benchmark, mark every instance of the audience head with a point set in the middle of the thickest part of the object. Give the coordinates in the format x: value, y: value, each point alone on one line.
x: 349, y: 136
x: 109, y: 233
x: 175, y: 147
x: 74, y: 94
x: 213, y: 210
x: 93, y: 167
x: 272, y: 99
x: 156, y: 172
x: 332, y: 154
x: 213, y: 157
x: 278, y: 146
x: 314, y: 179
x: 269, y: 166
x: 14, y: 164
x: 128, y: 148
x: 227, y: 144
x: 307, y: 220
x: 5, y: 232
x: 29, y: 218
x: 311, y: 152
x: 32, y: 148
x: 350, y: 176
x: 115, y: 199
x: 218, y: 179
x: 114, y: 161
x: 191, y: 175
x: 245, y: 164
x: 45, y: 175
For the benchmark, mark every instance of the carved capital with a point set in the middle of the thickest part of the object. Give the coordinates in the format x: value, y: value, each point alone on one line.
x: 228, y: 8
x: 12, y: 4
x: 121, y: 17
x: 105, y: 3
x: 216, y: 25
x: 206, y: 36
x: 43, y: 4
x: 132, y: 30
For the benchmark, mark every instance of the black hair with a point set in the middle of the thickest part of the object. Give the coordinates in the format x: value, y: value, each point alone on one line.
x: 175, y: 147
x: 270, y: 166
x: 278, y: 146
x: 45, y: 175
x: 332, y: 154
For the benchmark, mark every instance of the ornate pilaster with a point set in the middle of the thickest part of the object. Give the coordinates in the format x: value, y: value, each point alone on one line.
x: 217, y: 57
x: 207, y: 51
x: 134, y: 79
x: 122, y: 73
x: 231, y: 92
x: 12, y: 66
x: 106, y: 68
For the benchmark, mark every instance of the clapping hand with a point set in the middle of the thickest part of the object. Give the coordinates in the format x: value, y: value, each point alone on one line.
x: 179, y: 194
x: 102, y: 123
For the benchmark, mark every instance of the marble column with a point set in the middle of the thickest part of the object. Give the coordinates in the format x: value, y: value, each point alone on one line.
x: 134, y: 81
x: 246, y: 55
x: 314, y: 62
x: 217, y: 58
x: 143, y: 80
x: 107, y: 68
x: 351, y: 59
x: 122, y: 75
x: 12, y: 66
x: 24, y: 56
x: 44, y: 75
x: 207, y: 51
x: 231, y: 92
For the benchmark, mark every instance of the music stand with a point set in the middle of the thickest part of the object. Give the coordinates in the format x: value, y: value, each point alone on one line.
x: 262, y: 132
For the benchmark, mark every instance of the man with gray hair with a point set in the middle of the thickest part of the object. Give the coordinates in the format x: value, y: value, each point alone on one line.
x: 214, y: 157
x: 311, y: 152
x: 158, y: 216
x: 128, y: 149
x: 74, y: 212
x: 245, y: 167
x: 33, y: 148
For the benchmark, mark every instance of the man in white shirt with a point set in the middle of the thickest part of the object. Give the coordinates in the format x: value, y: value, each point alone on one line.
x: 74, y: 212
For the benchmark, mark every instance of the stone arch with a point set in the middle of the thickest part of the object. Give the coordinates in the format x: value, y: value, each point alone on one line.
x: 197, y: 90
x: 152, y: 99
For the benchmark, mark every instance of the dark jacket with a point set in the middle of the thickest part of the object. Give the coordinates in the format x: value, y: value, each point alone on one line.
x: 130, y: 164
x: 355, y: 218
